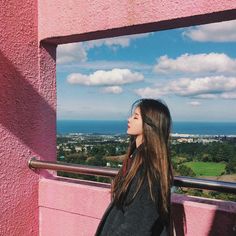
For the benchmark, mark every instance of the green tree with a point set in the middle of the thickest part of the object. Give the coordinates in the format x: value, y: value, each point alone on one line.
x: 186, y: 171
x: 61, y: 152
x: 231, y: 166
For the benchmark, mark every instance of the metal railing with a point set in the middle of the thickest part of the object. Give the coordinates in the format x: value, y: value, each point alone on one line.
x: 179, y: 181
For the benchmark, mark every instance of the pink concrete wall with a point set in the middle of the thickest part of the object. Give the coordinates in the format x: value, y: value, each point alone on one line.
x: 75, y: 20
x: 27, y: 90
x: 78, y: 20
x: 194, y: 216
x: 71, y: 209
x: 27, y: 116
x: 75, y: 209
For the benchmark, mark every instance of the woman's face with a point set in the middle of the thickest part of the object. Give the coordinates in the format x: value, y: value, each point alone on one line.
x: 135, y: 123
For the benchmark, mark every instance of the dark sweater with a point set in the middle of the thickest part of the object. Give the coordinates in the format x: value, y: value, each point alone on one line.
x: 140, y: 218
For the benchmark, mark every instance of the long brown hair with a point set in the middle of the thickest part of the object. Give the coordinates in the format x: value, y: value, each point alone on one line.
x: 153, y: 156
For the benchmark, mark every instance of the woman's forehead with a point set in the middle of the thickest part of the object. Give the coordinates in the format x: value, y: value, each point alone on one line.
x: 137, y: 110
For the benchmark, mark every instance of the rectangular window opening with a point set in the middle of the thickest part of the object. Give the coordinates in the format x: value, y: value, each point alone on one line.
x: 191, y: 69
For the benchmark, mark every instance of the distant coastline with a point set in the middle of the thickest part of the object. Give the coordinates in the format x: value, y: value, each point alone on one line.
x: 113, y: 127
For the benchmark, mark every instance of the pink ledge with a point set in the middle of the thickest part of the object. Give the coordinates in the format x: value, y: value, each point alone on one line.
x: 68, y: 208
x: 74, y: 208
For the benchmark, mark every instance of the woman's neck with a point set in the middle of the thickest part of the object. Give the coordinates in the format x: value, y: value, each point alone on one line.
x: 139, y: 140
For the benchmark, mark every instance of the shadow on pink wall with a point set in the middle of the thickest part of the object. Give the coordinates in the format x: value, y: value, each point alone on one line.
x: 180, y: 221
x: 23, y: 109
x: 202, y: 216
x: 220, y: 227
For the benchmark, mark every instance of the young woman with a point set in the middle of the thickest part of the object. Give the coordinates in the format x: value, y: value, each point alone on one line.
x: 141, y: 190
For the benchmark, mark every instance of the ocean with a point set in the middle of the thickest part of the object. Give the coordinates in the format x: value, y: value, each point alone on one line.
x: 119, y: 127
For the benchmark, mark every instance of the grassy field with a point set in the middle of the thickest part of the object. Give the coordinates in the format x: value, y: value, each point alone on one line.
x: 206, y: 168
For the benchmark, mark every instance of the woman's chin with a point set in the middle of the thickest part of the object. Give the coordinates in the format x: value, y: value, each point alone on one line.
x: 128, y: 132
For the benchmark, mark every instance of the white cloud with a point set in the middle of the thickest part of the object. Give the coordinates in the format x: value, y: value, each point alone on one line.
x: 122, y: 41
x: 107, y: 65
x: 225, y: 95
x: 198, y: 63
x: 194, y: 103
x: 216, y: 32
x: 198, y: 86
x: 113, y: 89
x: 207, y: 88
x: 151, y: 92
x: 77, y: 52
x: 101, y: 78
x: 208, y: 96
x: 73, y: 52
x: 230, y: 95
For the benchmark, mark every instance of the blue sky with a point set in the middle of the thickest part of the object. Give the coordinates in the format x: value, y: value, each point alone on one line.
x: 192, y: 69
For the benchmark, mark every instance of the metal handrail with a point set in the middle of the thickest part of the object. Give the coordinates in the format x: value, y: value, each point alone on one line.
x: 179, y: 181
x: 220, y: 186
x: 73, y: 168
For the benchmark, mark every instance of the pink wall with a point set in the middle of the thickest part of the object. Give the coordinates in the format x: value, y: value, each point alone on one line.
x: 75, y: 20
x: 27, y: 116
x: 194, y: 216
x: 75, y: 209
x: 27, y: 89
x: 71, y: 209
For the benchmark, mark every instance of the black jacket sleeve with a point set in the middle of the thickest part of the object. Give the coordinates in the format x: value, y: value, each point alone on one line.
x: 140, y: 215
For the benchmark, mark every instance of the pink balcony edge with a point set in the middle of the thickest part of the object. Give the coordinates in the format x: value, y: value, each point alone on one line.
x: 75, y: 208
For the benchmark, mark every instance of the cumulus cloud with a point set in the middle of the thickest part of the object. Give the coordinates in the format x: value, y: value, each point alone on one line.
x: 196, y: 63
x: 122, y: 41
x: 103, y: 78
x: 206, y: 85
x: 229, y: 95
x: 151, y: 92
x: 73, y: 52
x: 113, y: 89
x: 216, y: 32
x: 205, y: 88
x: 194, y: 103
x: 77, y: 52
